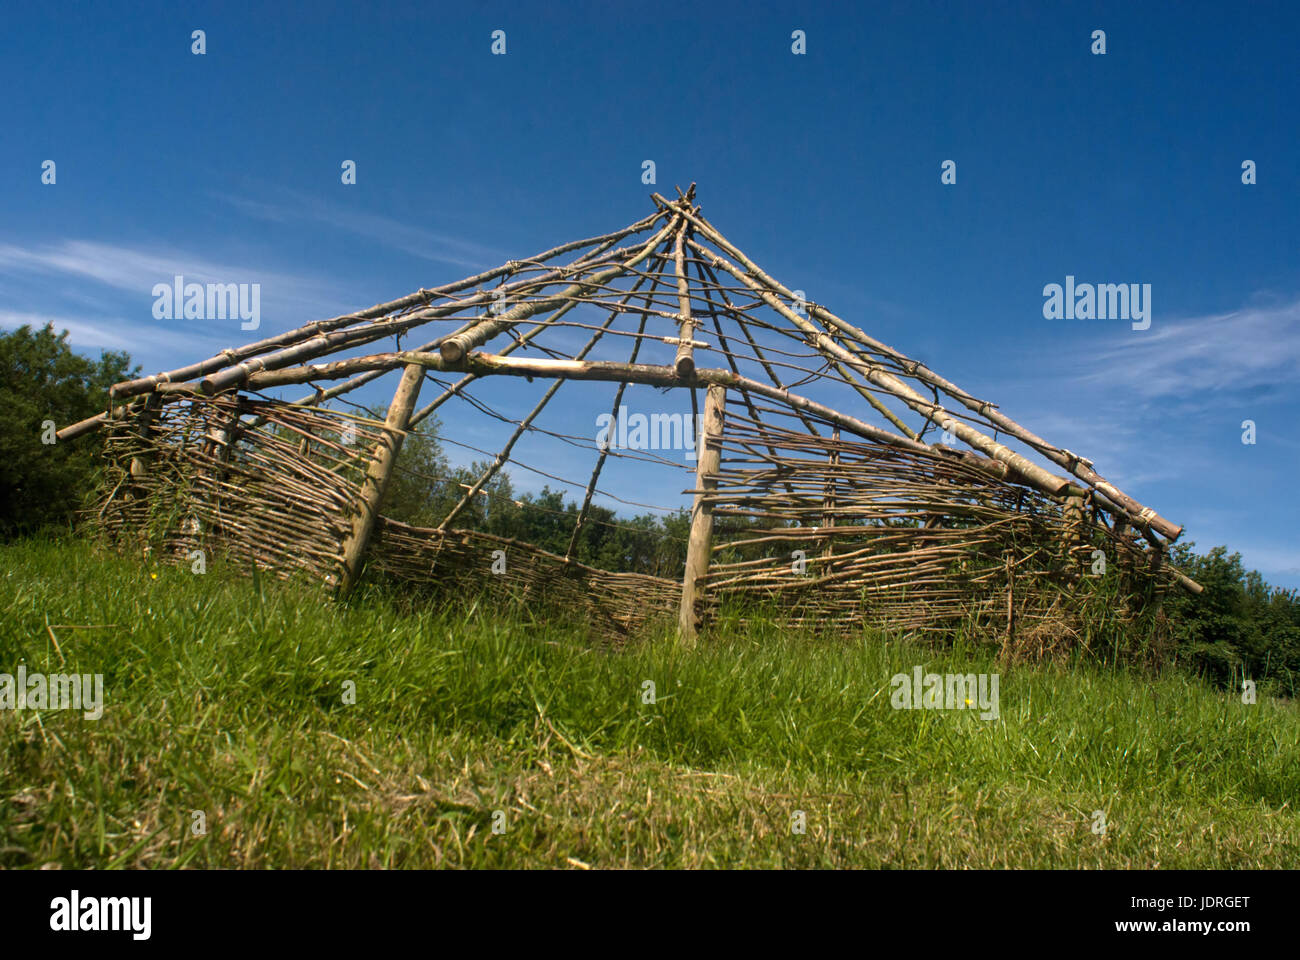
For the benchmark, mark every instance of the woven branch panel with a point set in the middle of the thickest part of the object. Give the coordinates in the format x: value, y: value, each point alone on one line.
x: 838, y: 533
x: 846, y: 533
x: 282, y: 494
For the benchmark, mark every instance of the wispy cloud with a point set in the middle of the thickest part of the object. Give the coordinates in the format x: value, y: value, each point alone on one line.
x: 113, y: 333
x: 102, y: 294
x: 136, y: 271
x: 1247, y: 350
x: 81, y: 333
x: 1119, y: 399
x: 398, y: 234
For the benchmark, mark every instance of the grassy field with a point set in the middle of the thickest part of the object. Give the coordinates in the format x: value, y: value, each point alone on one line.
x: 229, y: 697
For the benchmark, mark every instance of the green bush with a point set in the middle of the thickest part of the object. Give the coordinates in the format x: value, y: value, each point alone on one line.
x: 44, y: 385
x: 1240, y: 627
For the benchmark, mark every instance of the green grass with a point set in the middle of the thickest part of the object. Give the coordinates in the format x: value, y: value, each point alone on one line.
x: 226, y: 696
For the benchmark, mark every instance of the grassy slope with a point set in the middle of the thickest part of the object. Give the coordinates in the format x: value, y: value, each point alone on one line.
x: 228, y: 701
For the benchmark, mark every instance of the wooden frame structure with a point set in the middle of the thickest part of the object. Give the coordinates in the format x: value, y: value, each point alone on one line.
x: 808, y: 422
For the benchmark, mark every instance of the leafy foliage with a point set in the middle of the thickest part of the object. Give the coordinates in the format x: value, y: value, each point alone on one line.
x: 42, y: 379
x: 1240, y: 626
x: 425, y: 488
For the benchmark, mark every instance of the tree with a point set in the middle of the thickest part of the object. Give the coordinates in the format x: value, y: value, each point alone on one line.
x: 419, y: 475
x: 425, y: 488
x: 45, y: 386
x: 1239, y: 626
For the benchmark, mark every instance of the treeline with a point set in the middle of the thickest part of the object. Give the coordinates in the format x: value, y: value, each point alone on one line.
x: 425, y: 489
x: 1240, y: 627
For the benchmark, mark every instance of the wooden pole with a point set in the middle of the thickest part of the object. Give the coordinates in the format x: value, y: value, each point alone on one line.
x: 604, y: 453
x: 487, y: 364
x: 888, y: 382
x: 128, y: 388
x: 1072, y: 532
x: 140, y: 462
x: 828, y: 500
x: 378, y: 475
x: 684, y: 364
x: 1011, y: 605
x: 504, y: 456
x: 592, y: 255
x: 219, y: 446
x: 1081, y: 468
x: 304, y: 445
x: 394, y: 325
x: 456, y: 346
x: 709, y: 459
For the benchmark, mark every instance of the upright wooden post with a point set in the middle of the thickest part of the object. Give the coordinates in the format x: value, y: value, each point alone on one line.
x: 1011, y: 606
x: 137, y: 489
x: 304, y: 446
x: 139, y: 468
x: 1072, y: 532
x: 828, y: 498
x: 219, y: 440
x: 699, y: 546
x: 378, y: 474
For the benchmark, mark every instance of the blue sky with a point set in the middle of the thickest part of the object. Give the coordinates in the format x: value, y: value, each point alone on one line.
x: 824, y: 168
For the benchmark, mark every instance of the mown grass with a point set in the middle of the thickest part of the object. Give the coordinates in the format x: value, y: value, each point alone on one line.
x: 227, y: 696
